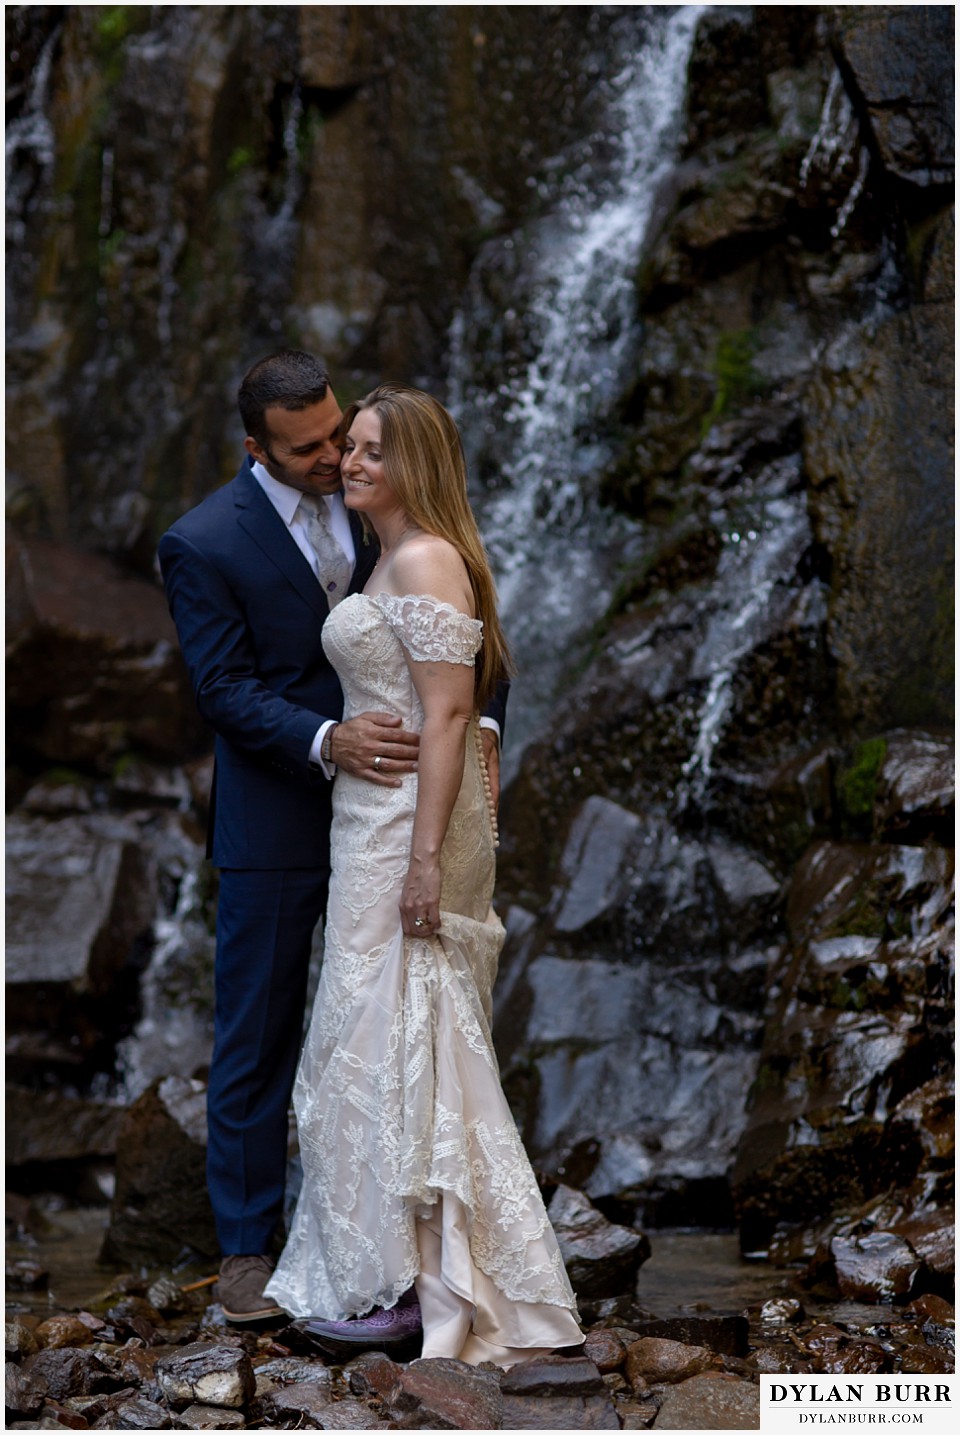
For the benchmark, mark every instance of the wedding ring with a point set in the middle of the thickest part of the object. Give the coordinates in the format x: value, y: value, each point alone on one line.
x: 376, y: 763
x: 419, y: 921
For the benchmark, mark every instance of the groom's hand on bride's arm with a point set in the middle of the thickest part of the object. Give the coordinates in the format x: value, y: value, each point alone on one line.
x: 357, y: 744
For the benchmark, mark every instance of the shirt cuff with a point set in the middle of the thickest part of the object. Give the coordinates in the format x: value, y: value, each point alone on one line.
x: 327, y: 768
x: 493, y: 725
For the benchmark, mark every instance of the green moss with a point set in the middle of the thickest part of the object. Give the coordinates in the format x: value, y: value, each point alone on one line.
x: 735, y: 377
x: 857, y: 784
x: 114, y: 23
x: 241, y: 158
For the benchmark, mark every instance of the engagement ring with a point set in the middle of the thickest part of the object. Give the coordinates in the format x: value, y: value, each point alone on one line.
x: 419, y: 921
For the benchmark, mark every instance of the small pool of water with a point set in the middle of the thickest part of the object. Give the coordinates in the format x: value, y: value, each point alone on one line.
x: 688, y: 1273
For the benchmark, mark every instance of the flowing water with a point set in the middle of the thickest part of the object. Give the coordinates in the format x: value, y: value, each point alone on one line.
x: 533, y: 383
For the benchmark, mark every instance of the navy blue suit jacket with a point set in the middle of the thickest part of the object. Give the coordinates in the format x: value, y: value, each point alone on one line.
x: 249, y: 611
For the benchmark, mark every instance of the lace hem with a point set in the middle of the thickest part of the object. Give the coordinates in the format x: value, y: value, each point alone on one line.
x: 398, y: 1103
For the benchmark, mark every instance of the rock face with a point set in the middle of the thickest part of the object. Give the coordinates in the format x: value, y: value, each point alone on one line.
x: 93, y: 667
x: 161, y: 1207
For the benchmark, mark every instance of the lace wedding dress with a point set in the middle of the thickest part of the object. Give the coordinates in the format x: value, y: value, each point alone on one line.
x: 401, y: 1117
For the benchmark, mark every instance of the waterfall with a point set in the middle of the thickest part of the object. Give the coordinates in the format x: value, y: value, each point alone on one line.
x: 28, y: 160
x: 556, y: 554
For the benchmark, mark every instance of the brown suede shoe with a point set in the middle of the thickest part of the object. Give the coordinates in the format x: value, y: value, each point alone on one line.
x: 240, y: 1289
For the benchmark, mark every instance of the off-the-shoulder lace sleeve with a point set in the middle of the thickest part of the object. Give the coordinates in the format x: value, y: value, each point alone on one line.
x: 430, y: 630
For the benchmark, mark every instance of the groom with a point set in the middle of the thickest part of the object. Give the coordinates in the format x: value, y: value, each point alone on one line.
x: 250, y: 576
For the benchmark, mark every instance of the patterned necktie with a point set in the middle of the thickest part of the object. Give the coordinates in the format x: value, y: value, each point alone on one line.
x: 335, y: 568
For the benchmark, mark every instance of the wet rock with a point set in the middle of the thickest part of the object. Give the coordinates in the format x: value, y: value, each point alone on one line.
x: 461, y: 1397
x: 915, y: 789
x: 877, y: 1267
x: 781, y: 1310
x: 305, y: 1403
x: 866, y: 466
x: 77, y: 898
x: 665, y: 1361
x: 94, y: 670
x: 834, y: 1353
x: 24, y: 1395
x: 161, y: 1204
x: 49, y: 1126
x: 60, y: 1331
x: 606, y: 1349
x: 352, y: 1415
x: 553, y: 1412
x: 723, y: 1334
x: 135, y: 1414
x: 926, y: 1360
x: 553, y: 1375
x: 933, y: 1307
x: 601, y: 1258
x: 206, y: 1374
x: 901, y: 64
x: 58, y: 1373
x: 26, y: 1275
x: 62, y: 1417
x: 933, y: 1237
x: 373, y: 1373
x: 20, y: 1339
x: 601, y: 834
x: 165, y: 1295
x: 291, y: 1370
x: 710, y: 1401
x: 210, y: 1417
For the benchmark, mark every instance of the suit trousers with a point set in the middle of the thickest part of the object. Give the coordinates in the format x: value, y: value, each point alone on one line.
x: 265, y: 924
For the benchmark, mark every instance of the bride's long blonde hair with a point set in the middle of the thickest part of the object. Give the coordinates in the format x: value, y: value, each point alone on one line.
x: 424, y: 464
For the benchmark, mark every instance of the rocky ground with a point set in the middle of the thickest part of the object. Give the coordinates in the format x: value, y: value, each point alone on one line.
x: 158, y: 1356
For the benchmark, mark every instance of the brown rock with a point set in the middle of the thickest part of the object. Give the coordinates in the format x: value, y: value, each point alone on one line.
x: 553, y: 1375
x: 834, y: 1353
x: 60, y: 1331
x: 462, y: 1396
x: 933, y: 1237
x: 374, y: 1373
x: 711, y: 1401
x: 877, y: 1267
x: 94, y: 669
x: 723, y: 1334
x: 933, y: 1307
x: 606, y: 1349
x: 49, y: 1126
x: 559, y: 1412
x: 664, y: 1361
x: 66, y: 1419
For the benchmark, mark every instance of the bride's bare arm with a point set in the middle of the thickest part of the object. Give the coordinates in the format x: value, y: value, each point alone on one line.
x: 446, y: 693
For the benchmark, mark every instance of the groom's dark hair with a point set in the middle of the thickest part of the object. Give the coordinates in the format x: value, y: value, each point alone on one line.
x: 287, y: 379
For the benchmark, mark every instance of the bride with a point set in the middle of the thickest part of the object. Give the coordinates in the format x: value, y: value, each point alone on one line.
x: 415, y: 1182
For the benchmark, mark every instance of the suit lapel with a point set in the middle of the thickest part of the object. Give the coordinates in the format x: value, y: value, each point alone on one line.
x: 259, y: 519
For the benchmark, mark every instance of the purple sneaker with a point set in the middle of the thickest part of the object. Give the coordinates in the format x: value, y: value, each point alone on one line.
x: 398, y: 1332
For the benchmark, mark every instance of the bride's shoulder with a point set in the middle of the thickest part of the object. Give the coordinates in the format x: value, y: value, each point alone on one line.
x: 431, y: 567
